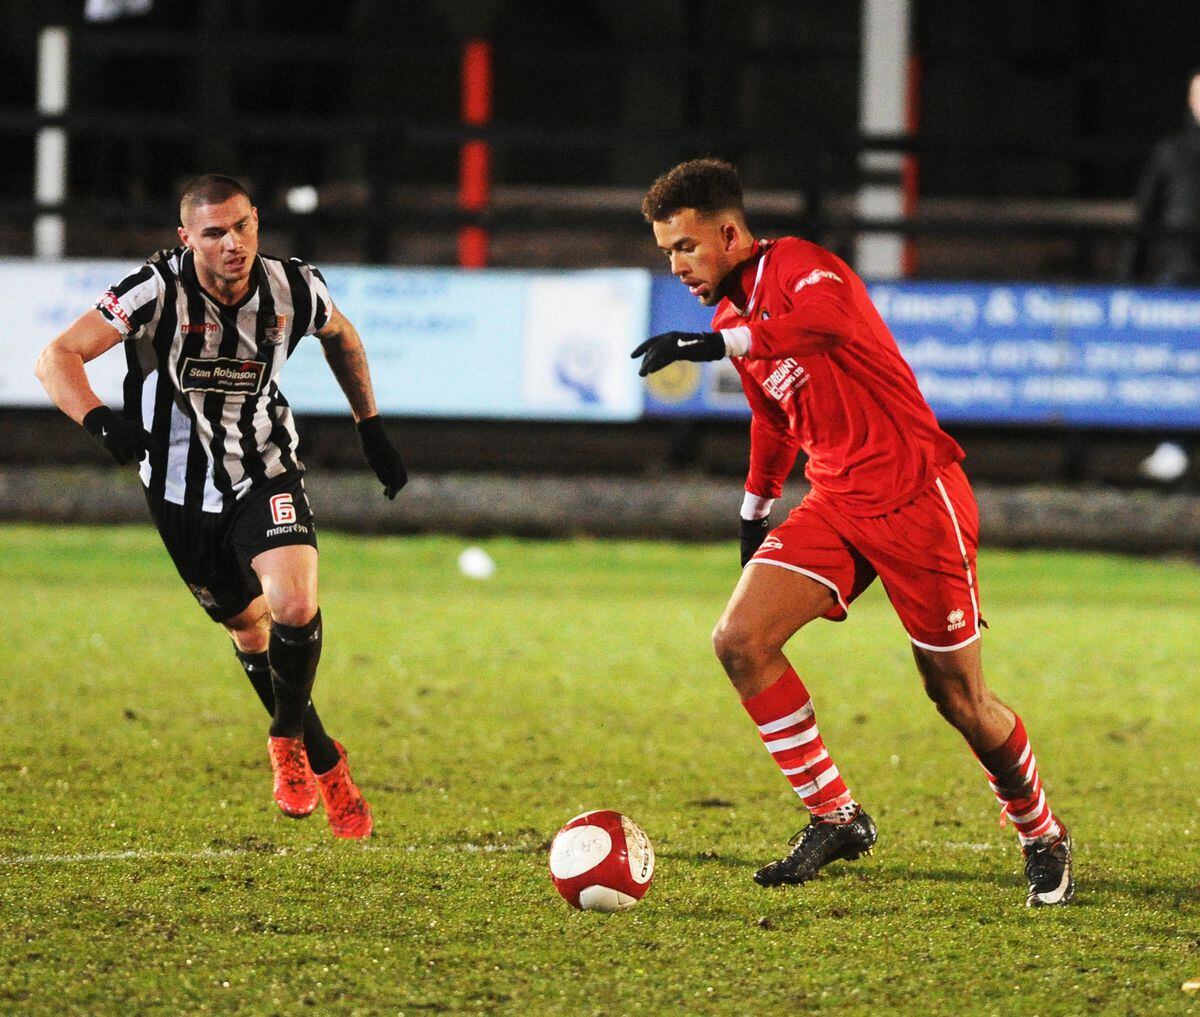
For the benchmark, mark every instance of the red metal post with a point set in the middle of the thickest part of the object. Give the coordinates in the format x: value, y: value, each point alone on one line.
x: 475, y: 158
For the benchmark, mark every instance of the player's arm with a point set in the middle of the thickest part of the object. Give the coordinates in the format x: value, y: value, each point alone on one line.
x: 60, y: 366
x: 60, y: 369
x: 773, y: 450
x: 820, y: 320
x: 347, y: 359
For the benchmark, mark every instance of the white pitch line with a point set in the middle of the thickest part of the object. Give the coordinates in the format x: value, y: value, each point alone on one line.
x: 119, y: 856
x: 147, y: 855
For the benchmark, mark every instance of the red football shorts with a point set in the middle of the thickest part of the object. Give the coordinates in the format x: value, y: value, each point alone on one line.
x: 923, y: 552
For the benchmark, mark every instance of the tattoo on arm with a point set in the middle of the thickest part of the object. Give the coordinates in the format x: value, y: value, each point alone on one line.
x: 348, y: 360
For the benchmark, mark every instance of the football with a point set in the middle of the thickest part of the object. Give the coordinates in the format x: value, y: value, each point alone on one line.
x: 602, y: 861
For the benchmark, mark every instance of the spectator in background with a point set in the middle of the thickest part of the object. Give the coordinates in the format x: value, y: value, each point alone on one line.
x: 1168, y: 196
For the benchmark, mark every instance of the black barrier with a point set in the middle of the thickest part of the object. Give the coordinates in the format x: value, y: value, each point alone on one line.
x: 827, y: 165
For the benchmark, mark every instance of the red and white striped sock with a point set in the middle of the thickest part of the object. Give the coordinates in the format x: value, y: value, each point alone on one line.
x: 1013, y: 775
x: 784, y: 715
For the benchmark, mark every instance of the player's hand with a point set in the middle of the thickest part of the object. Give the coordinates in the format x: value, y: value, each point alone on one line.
x: 660, y: 350
x: 123, y: 439
x: 382, y: 456
x: 753, y: 533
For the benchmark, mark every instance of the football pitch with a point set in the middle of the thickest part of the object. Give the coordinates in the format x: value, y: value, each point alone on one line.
x: 144, y: 869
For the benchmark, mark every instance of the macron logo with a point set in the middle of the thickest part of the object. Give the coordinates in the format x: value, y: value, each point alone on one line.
x: 816, y: 275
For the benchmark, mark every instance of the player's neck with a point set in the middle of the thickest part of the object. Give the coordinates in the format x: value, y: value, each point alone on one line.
x: 223, y: 290
x: 735, y: 287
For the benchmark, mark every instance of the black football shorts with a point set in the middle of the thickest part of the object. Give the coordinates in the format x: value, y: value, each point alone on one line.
x: 213, y: 550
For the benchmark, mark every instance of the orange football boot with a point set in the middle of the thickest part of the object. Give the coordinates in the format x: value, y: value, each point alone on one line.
x: 348, y: 812
x: 296, y: 791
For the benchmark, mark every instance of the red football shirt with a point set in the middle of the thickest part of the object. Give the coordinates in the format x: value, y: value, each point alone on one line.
x: 822, y: 373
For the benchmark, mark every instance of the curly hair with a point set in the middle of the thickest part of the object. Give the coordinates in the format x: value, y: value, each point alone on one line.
x: 707, y: 185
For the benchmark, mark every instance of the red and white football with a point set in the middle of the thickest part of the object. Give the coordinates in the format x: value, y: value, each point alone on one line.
x: 602, y: 861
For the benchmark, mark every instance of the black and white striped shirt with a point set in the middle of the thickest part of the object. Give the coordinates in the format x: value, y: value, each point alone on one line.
x: 202, y: 374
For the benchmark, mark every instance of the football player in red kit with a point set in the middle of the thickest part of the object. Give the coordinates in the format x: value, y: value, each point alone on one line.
x: 888, y: 498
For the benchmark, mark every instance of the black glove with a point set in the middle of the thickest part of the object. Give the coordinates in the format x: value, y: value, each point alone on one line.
x: 754, y: 532
x: 378, y: 450
x: 668, y: 347
x: 123, y: 439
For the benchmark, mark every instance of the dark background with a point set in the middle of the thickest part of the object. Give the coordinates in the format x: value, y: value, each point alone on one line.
x: 1034, y: 120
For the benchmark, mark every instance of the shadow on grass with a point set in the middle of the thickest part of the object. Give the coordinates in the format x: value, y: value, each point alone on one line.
x: 1093, y: 891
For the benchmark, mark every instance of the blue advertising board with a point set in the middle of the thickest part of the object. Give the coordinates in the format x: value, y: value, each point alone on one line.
x: 441, y: 342
x: 684, y: 389
x: 1002, y: 354
x: 522, y: 345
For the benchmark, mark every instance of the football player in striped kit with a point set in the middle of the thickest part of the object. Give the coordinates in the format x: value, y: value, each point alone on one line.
x: 888, y: 498
x: 207, y: 328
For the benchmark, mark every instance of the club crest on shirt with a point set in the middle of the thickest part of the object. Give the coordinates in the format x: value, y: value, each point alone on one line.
x: 274, y: 328
x: 785, y: 379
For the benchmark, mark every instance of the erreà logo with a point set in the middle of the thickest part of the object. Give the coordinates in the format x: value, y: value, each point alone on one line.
x: 816, y: 275
x: 957, y: 620
x: 222, y: 374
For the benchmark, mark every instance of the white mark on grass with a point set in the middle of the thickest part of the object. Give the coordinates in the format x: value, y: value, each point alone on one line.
x: 147, y: 855
x: 958, y: 845
x: 137, y: 855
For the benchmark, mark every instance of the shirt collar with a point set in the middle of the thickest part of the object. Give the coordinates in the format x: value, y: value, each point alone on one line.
x: 744, y: 280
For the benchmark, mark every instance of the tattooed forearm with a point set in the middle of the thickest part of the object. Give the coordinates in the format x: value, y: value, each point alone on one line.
x: 348, y: 360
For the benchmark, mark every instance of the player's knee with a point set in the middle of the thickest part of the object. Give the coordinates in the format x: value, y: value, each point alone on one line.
x: 296, y: 607
x: 250, y: 630
x: 250, y: 640
x: 956, y: 697
x: 738, y: 648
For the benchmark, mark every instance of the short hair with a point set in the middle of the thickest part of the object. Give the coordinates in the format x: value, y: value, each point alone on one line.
x: 707, y: 185
x: 209, y: 189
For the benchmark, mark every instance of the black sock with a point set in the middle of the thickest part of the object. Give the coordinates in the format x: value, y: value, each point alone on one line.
x: 294, y: 653
x: 322, y: 753
x: 258, y: 669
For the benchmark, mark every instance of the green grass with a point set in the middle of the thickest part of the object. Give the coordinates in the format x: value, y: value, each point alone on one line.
x: 482, y: 715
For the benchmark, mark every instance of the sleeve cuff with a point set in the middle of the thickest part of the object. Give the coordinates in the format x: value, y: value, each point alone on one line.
x: 755, y: 506
x: 737, y: 340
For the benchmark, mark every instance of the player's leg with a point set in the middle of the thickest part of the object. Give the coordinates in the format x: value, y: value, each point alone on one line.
x: 232, y: 596
x: 295, y: 790
x: 773, y: 600
x: 288, y: 575
x: 250, y: 631
x: 954, y: 681
x: 925, y: 554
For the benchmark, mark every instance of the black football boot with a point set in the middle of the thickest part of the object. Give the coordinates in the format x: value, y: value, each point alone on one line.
x: 816, y: 846
x: 1048, y: 869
